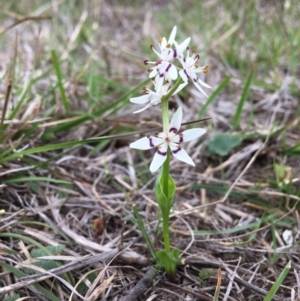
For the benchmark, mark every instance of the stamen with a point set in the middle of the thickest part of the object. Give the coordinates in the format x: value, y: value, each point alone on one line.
x: 160, y: 40
x: 205, y: 70
x: 196, y: 65
x: 168, y: 45
x: 151, y: 46
x: 146, y: 62
x: 193, y: 51
x: 197, y: 57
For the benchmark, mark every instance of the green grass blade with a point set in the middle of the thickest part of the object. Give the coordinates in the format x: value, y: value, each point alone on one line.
x: 35, y: 179
x: 38, y: 287
x: 212, y: 97
x: 294, y: 150
x: 140, y: 224
x: 238, y: 113
x: 27, y: 239
x: 56, y: 66
x: 278, y: 282
x: 115, y: 106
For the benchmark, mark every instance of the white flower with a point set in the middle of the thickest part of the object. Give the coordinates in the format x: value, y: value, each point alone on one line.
x: 169, y: 139
x: 164, y: 69
x: 152, y: 98
x: 190, y: 70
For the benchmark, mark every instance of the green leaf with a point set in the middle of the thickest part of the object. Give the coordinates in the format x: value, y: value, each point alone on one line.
x: 165, y: 196
x: 222, y: 143
x: 169, y: 260
x: 45, y: 264
x: 53, y: 250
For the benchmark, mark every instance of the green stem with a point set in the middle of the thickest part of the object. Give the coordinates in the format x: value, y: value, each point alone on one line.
x: 166, y: 165
x: 166, y: 233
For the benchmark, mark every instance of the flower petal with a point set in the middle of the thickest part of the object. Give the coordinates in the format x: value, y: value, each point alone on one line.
x: 181, y: 47
x: 159, y: 158
x: 153, y: 73
x: 189, y: 135
x: 140, y: 99
x: 172, y: 71
x: 181, y: 154
x: 180, y: 87
x: 202, y: 83
x: 159, y: 80
x: 150, y: 104
x: 146, y: 143
x: 199, y: 88
x: 183, y: 74
x: 172, y: 35
x: 176, y: 121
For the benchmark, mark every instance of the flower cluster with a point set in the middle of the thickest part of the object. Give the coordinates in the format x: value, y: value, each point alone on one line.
x: 164, y: 70
x: 163, y: 73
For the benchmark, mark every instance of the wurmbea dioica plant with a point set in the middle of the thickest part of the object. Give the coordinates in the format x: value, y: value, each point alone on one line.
x: 163, y: 73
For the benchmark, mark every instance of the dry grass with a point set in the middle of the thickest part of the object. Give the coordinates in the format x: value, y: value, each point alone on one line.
x: 230, y: 213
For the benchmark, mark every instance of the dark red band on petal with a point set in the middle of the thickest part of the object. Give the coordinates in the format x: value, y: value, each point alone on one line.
x: 174, y: 130
x: 181, y: 138
x: 175, y: 53
x: 168, y: 68
x: 177, y: 150
x: 161, y: 153
x: 150, y: 141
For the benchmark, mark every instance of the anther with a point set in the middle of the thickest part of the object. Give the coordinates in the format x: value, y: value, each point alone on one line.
x: 205, y: 70
x: 146, y: 62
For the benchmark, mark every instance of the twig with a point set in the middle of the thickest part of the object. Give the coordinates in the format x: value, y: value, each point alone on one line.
x: 141, y: 286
